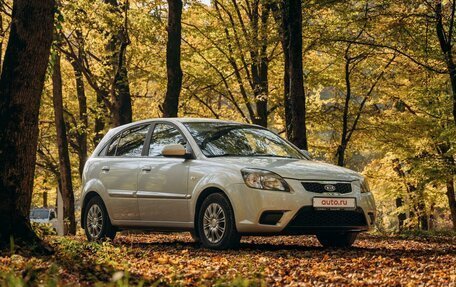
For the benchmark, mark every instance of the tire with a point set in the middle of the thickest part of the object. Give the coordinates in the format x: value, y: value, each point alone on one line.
x: 104, y: 229
x: 220, y: 232
x: 195, y: 236
x: 337, y: 239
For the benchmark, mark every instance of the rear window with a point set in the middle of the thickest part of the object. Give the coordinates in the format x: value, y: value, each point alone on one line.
x: 132, y: 141
x: 39, y: 214
x: 127, y: 143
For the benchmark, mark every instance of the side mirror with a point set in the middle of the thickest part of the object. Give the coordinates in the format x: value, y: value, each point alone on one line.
x: 306, y: 154
x: 174, y: 150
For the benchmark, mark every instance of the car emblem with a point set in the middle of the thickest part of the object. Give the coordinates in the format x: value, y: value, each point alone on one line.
x: 329, y: 187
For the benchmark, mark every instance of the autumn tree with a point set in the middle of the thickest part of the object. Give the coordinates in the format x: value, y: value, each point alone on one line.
x: 296, y: 100
x: 21, y: 84
x: 111, y: 84
x: 173, y: 59
x: 65, y: 177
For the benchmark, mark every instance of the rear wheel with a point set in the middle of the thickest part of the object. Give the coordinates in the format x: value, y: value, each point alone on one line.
x: 216, y: 225
x: 337, y: 239
x: 96, y: 220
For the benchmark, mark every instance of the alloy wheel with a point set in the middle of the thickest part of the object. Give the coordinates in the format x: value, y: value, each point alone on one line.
x: 214, y: 223
x: 94, y: 221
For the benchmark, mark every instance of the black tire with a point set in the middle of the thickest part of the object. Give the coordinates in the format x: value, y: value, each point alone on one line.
x: 337, y: 239
x: 195, y: 236
x: 229, y: 238
x: 107, y: 231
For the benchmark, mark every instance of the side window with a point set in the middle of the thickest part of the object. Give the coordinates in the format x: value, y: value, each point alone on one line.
x: 164, y: 134
x: 111, y: 148
x: 132, y: 141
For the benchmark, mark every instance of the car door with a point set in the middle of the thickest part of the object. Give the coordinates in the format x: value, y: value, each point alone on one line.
x: 162, y: 181
x: 119, y: 172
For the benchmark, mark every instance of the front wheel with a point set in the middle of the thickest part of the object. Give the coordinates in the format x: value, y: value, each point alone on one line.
x: 216, y: 225
x: 195, y: 236
x: 337, y: 239
x: 97, y: 224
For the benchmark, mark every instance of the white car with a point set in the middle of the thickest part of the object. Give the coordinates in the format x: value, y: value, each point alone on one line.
x: 219, y: 180
x: 44, y: 216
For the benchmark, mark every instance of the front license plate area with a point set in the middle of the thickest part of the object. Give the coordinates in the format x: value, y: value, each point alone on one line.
x: 334, y: 203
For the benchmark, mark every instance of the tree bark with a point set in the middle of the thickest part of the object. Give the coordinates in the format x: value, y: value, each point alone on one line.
x: 100, y: 122
x: 173, y: 54
x: 445, y: 42
x: 401, y: 217
x: 343, y: 140
x: 297, y: 100
x: 62, y: 146
x: 442, y: 150
x: 451, y: 199
x: 21, y: 84
x: 121, y: 107
x: 260, y: 61
x: 81, y: 136
x: 280, y: 13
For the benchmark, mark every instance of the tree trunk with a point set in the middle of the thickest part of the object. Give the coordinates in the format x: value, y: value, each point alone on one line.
x: 297, y: 100
x: 343, y: 139
x: 121, y: 99
x: 21, y: 84
x: 285, y: 39
x: 99, y: 126
x: 173, y: 54
x: 280, y: 13
x: 446, y: 49
x: 259, y: 59
x: 62, y: 146
x: 451, y: 199
x: 121, y: 108
x: 82, y: 102
x: 401, y: 217
x: 84, y: 121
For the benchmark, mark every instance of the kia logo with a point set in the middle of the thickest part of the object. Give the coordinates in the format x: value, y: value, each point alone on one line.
x: 329, y: 187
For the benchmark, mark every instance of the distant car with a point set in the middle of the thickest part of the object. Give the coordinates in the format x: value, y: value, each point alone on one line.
x: 44, y: 216
x: 219, y: 180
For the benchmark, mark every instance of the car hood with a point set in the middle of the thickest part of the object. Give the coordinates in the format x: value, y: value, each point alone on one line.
x: 293, y: 168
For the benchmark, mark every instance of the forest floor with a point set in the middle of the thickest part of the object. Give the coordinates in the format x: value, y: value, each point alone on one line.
x: 173, y: 259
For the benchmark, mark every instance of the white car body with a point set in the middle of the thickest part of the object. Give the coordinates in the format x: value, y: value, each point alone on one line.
x: 43, y: 216
x: 164, y: 193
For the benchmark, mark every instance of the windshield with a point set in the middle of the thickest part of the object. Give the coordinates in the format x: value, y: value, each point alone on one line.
x: 225, y: 139
x: 39, y: 214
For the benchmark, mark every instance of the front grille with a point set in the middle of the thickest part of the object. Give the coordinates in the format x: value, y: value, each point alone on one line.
x: 320, y: 187
x: 309, y: 217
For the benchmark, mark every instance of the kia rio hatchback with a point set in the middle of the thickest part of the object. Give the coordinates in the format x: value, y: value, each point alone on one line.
x: 219, y: 180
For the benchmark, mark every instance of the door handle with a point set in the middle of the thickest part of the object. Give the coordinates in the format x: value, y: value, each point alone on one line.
x: 105, y: 168
x: 146, y: 168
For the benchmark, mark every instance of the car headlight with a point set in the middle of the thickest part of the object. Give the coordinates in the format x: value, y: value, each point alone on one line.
x: 364, y: 186
x: 264, y: 179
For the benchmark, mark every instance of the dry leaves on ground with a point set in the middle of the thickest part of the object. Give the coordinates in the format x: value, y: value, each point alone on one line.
x: 173, y: 259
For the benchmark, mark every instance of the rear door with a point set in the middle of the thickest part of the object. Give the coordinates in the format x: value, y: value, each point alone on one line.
x: 119, y: 172
x: 162, y: 181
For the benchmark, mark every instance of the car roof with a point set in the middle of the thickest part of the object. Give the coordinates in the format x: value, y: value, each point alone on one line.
x: 179, y: 120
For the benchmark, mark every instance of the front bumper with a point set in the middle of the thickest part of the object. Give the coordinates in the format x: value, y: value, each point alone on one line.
x: 295, y: 211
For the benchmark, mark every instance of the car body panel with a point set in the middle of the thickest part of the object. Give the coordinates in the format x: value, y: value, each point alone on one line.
x: 162, y: 189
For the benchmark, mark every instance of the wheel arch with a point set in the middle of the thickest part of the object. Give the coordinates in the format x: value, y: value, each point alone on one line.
x: 202, y: 196
x: 89, y: 195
